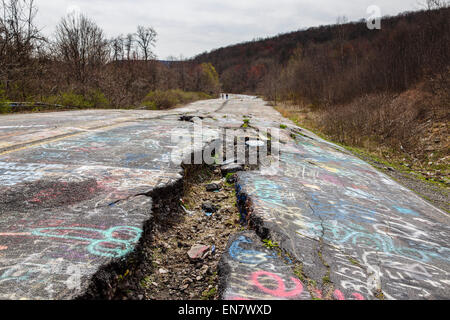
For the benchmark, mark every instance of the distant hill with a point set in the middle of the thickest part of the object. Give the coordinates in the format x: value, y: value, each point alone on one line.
x: 242, y: 67
x: 386, y: 91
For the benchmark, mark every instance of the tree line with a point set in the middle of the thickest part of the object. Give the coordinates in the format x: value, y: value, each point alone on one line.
x: 79, y: 65
x: 338, y: 63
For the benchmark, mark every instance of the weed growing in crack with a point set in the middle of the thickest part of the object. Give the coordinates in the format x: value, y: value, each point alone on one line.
x: 326, y: 279
x: 270, y: 245
x: 354, y: 262
x: 298, y: 271
x: 312, y: 283
x: 209, y: 294
x: 122, y: 277
x: 229, y: 176
x: 379, y: 294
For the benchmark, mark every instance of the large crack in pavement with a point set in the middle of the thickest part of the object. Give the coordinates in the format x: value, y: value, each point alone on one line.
x: 186, y: 248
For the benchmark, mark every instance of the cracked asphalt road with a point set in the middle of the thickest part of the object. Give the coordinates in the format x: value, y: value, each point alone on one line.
x: 75, y: 197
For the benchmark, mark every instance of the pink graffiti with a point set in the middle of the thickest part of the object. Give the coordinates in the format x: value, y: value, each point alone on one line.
x: 280, y: 291
x: 46, y: 194
x: 332, y: 179
x: 358, y: 296
x: 9, y: 234
x: 3, y: 248
x: 48, y: 223
x: 338, y: 295
x: 318, y: 293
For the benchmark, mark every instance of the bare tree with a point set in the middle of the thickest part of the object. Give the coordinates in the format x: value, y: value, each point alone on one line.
x: 129, y: 40
x: 19, y: 39
x: 146, y: 38
x: 81, y: 44
x: 341, y: 34
x: 117, y: 48
x: 436, y: 4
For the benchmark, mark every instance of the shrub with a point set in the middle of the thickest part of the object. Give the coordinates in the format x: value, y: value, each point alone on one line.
x: 158, y: 99
x: 4, y: 103
x: 97, y: 99
x: 92, y: 99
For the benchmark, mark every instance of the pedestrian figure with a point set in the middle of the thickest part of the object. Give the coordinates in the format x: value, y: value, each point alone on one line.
x: 227, y: 96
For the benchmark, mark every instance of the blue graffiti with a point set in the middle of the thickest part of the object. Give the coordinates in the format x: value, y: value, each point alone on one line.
x: 361, y: 237
x: 118, y: 247
x: 268, y: 191
x: 25, y: 272
x: 341, y: 210
x: 132, y: 157
x: 8, y: 275
x: 406, y: 211
x: 248, y: 256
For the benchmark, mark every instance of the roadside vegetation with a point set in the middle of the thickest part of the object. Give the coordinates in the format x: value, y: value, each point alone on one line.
x: 402, y: 131
x: 4, y: 103
x: 158, y: 99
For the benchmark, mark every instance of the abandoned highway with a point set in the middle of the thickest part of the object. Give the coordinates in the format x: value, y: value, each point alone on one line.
x: 82, y: 191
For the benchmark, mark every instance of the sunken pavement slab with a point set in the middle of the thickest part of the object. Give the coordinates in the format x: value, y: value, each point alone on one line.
x: 249, y: 271
x: 75, y: 204
x: 348, y: 224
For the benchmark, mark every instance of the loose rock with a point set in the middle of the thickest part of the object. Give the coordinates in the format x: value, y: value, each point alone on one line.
x: 209, y: 207
x: 231, y: 168
x: 198, y: 252
x: 213, y: 187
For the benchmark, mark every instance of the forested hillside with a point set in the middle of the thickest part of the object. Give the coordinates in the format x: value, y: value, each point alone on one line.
x: 406, y: 48
x: 386, y: 90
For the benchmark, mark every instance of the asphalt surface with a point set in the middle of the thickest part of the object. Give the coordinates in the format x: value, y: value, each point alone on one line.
x: 75, y: 197
x: 73, y: 191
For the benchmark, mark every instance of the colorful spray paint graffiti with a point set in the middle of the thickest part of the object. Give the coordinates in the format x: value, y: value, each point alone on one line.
x: 376, y: 236
x: 75, y: 187
x: 83, y: 215
x: 115, y: 242
x: 254, y: 272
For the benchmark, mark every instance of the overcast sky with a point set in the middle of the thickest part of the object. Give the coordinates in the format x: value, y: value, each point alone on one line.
x: 190, y: 27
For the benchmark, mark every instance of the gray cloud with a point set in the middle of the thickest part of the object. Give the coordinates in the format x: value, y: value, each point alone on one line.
x: 191, y: 27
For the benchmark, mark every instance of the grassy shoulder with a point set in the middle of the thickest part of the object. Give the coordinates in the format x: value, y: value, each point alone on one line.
x: 160, y: 100
x: 4, y: 103
x: 429, y: 180
x: 95, y: 99
x: 63, y: 101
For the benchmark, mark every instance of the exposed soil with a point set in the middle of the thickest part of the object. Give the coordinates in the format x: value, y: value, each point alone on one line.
x: 174, y: 275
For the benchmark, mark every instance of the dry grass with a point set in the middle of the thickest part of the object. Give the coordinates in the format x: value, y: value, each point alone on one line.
x: 410, y: 129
